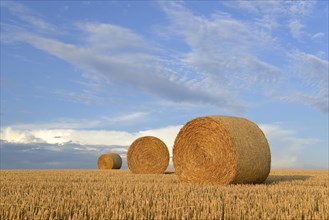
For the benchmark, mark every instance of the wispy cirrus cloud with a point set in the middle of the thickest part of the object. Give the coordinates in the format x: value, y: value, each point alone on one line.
x: 318, y: 36
x: 274, y: 14
x: 28, y: 17
x: 226, y: 51
x: 308, y: 81
x: 136, y: 69
x: 80, y: 124
x: 112, y: 38
x: 296, y: 28
x: 234, y: 53
x: 86, y: 96
x: 114, y: 54
x: 225, y: 59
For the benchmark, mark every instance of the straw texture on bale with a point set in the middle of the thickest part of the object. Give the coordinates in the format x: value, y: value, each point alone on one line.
x: 109, y: 161
x: 148, y: 155
x: 221, y: 149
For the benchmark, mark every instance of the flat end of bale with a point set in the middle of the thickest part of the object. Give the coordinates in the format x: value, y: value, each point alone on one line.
x: 148, y: 155
x: 203, y: 152
x: 221, y: 149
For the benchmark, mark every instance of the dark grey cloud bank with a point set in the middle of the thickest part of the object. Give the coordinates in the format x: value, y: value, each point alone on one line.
x: 53, y: 156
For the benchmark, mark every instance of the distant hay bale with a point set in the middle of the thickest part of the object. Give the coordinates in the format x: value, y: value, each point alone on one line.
x: 109, y: 161
x: 148, y: 155
x: 221, y: 149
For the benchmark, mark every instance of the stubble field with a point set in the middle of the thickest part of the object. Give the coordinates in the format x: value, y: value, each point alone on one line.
x: 119, y: 194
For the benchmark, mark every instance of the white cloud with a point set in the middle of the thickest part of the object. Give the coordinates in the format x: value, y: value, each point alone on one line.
x: 139, y: 70
x: 27, y: 16
x: 86, y: 96
x: 275, y: 14
x: 296, y: 28
x: 307, y: 81
x: 299, y: 8
x: 127, y: 118
x: 109, y: 38
x: 233, y: 53
x: 274, y: 8
x: 318, y: 36
x: 225, y: 57
x: 119, y: 150
x: 114, y: 54
x: 62, y: 136
x: 286, y: 145
x: 217, y: 34
x: 257, y: 7
x: 311, y: 68
x: 86, y: 137
x: 224, y: 50
x: 10, y: 135
x: 166, y: 134
x: 83, y: 141
x: 269, y: 23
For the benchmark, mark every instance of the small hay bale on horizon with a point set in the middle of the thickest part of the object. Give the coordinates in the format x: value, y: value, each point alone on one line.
x: 148, y: 155
x: 109, y: 161
x: 223, y: 150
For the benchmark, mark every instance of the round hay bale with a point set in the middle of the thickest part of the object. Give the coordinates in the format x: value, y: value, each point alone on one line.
x: 221, y: 149
x: 148, y: 155
x: 109, y: 161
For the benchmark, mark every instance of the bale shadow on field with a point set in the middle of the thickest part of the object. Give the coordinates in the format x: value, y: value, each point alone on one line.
x: 284, y: 178
x: 169, y: 172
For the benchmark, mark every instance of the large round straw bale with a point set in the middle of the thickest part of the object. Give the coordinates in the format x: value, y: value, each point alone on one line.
x: 221, y: 149
x: 109, y: 161
x: 148, y: 154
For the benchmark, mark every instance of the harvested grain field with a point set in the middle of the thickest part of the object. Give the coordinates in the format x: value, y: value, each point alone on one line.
x: 120, y: 194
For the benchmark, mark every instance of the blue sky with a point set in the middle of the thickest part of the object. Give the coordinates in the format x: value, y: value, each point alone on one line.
x: 81, y: 78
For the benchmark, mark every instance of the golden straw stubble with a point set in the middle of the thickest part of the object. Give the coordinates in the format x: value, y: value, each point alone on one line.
x: 148, y: 155
x: 221, y: 149
x: 88, y: 194
x: 109, y: 161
